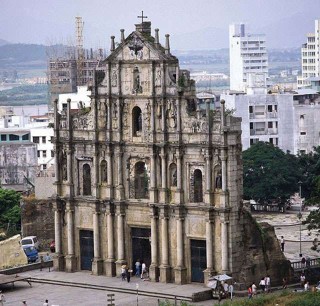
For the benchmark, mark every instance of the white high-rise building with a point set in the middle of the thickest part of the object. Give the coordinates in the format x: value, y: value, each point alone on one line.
x: 310, y: 57
x: 248, y: 56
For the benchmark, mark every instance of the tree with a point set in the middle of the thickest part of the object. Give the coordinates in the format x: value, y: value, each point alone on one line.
x: 269, y: 174
x: 9, y: 207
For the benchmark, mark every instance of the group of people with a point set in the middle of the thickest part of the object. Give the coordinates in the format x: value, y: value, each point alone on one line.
x: 264, y: 284
x: 140, y: 271
x: 304, y: 283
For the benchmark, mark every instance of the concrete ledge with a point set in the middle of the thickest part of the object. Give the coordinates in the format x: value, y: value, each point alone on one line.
x: 29, y: 267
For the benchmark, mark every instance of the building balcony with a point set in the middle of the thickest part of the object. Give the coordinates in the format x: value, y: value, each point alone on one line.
x: 272, y: 131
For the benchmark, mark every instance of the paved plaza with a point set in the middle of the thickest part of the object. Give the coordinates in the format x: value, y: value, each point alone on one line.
x: 286, y: 225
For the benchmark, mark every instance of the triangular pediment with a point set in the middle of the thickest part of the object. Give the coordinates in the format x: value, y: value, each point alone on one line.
x: 139, y: 47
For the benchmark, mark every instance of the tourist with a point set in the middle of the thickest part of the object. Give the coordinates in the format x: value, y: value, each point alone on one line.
x: 282, y: 242
x: 306, y: 286
x: 262, y: 284
x: 249, y: 292
x: 123, y: 272
x: 46, y: 303
x: 308, y: 260
x: 303, y: 262
x: 128, y: 275
x: 2, y: 298
x: 284, y: 283
x: 47, y: 257
x: 267, y: 283
x: 138, y: 266
x: 226, y: 289
x: 143, y: 269
x: 231, y: 291
x: 302, y: 280
x: 254, y: 289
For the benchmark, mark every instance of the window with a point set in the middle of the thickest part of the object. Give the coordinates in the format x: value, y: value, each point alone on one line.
x: 269, y: 108
x: 137, y: 121
x: 250, y: 109
x: 35, y: 139
x: 3, y: 137
x: 44, y: 167
x: 25, y: 137
x: 251, y: 125
x: 86, y: 179
x: 52, y: 153
x: 104, y: 171
x: 141, y: 181
x: 302, y: 151
x: 197, y: 183
x: 271, y: 140
x: 270, y: 124
x: 13, y: 137
x: 38, y: 153
x: 173, y: 175
x: 43, y: 139
x: 44, y: 154
x: 303, y: 133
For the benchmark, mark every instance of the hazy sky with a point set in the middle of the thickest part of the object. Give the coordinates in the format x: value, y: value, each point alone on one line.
x: 53, y: 21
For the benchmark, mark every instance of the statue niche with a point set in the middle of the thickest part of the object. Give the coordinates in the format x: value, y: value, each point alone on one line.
x: 137, y: 88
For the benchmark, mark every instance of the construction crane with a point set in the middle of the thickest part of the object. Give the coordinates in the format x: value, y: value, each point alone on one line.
x: 80, y: 50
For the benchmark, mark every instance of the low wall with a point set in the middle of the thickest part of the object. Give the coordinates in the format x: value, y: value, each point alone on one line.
x: 28, y: 267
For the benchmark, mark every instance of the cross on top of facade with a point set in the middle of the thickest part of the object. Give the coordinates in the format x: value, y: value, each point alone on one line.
x: 142, y: 17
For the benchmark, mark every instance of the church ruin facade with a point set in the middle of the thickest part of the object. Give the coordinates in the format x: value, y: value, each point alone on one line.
x: 144, y: 173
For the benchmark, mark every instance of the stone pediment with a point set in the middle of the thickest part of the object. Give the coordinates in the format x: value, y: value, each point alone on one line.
x: 139, y: 47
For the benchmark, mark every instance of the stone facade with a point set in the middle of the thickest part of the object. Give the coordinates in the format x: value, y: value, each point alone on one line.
x: 144, y: 173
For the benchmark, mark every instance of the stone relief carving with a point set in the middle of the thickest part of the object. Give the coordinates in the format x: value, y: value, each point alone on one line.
x: 158, y: 77
x: 114, y: 78
x: 136, y: 45
x: 172, y: 114
x: 147, y: 115
x: 126, y: 125
x: 115, y: 115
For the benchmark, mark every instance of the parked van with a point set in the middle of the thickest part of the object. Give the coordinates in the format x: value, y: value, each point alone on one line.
x: 30, y: 241
x: 31, y: 253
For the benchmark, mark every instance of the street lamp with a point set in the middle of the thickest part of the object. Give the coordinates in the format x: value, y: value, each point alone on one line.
x: 300, y: 215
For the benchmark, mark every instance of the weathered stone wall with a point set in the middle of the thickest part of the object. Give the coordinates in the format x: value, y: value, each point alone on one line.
x: 262, y: 255
x: 37, y: 219
x: 44, y: 187
x: 11, y: 253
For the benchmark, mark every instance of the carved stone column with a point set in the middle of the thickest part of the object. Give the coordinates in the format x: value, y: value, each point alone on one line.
x: 58, y: 259
x: 224, y: 192
x: 224, y: 247
x: 153, y: 189
x: 179, y: 191
x: 208, y: 192
x: 110, y: 174
x: 154, y: 269
x: 180, y: 272
x: 71, y: 263
x: 163, y: 190
x: 165, y: 269
x: 209, y: 249
x: 119, y: 187
x: 120, y: 237
x: 97, y: 263
x: 110, y: 266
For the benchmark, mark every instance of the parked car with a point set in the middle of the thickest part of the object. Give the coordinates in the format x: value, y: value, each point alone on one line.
x: 31, y: 253
x: 30, y: 241
x: 53, y: 246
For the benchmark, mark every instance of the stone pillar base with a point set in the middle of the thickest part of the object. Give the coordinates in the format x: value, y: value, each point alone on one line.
x: 110, y: 267
x: 165, y: 274
x: 120, y: 192
x: 71, y: 263
x: 119, y: 263
x: 154, y: 273
x: 97, y: 266
x: 178, y: 196
x: 180, y: 276
x: 208, y: 197
x: 208, y: 273
x: 153, y: 195
x: 163, y: 195
x: 58, y: 262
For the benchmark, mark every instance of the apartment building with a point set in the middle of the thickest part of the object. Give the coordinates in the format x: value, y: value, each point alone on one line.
x: 310, y: 57
x: 248, y: 55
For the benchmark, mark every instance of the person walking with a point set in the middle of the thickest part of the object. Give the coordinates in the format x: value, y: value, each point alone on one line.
x: 143, y: 269
x: 262, y: 284
x: 254, y: 289
x: 128, y: 275
x: 46, y: 303
x: 2, y: 298
x: 284, y: 283
x: 138, y: 267
x: 282, y: 242
x: 268, y: 283
x: 249, y: 292
x: 302, y: 280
